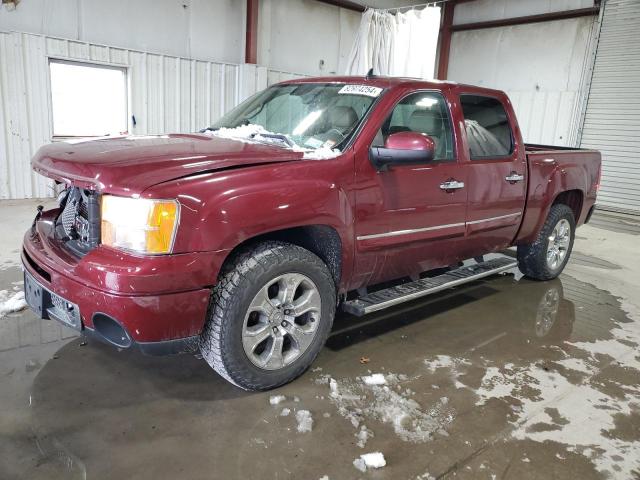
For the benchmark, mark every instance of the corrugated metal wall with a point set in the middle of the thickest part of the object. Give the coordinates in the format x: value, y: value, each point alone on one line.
x: 546, y: 117
x: 612, y: 120
x: 541, y: 66
x: 166, y: 94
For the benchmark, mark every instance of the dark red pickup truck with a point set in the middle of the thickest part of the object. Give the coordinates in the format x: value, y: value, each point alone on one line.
x: 244, y: 239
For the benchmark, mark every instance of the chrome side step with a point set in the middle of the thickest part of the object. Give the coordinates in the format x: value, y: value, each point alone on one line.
x: 389, y: 297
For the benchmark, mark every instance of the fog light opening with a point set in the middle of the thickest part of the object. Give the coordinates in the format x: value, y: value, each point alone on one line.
x: 111, y: 330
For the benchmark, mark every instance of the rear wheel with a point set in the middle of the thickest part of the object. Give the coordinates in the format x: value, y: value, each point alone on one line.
x: 545, y: 258
x: 269, y: 317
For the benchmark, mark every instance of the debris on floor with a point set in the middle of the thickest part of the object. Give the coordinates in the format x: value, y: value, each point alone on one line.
x: 305, y: 421
x: 276, y: 399
x: 363, y: 436
x: 10, y: 303
x: 369, y: 460
x: 374, y: 379
x: 357, y: 401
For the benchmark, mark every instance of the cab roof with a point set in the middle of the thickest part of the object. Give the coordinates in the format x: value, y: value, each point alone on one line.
x: 390, y: 82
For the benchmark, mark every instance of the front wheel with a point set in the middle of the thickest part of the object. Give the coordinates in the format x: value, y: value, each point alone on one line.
x: 269, y: 317
x: 545, y: 258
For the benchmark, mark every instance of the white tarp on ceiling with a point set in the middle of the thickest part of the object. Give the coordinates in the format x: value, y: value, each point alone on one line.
x: 401, y: 44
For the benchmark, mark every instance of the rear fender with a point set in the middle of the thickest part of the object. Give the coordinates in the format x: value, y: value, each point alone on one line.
x: 548, y: 180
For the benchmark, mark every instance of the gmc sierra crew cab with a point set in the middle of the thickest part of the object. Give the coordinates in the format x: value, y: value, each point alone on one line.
x: 316, y: 194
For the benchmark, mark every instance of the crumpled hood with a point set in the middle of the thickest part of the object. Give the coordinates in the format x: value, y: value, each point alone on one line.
x: 129, y: 165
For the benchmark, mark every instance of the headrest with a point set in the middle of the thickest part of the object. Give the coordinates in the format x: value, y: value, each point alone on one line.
x: 342, y: 117
x: 426, y: 121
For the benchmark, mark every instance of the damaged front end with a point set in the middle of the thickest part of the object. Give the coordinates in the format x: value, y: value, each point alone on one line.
x: 78, y: 224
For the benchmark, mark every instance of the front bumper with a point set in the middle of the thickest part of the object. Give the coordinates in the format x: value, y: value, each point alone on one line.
x: 160, y: 302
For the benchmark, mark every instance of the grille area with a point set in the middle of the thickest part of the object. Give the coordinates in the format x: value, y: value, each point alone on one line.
x: 78, y: 224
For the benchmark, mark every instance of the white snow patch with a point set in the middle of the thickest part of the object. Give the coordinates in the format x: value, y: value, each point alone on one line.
x: 11, y: 302
x: 453, y: 364
x: 276, y: 399
x: 588, y: 414
x: 360, y: 465
x: 374, y: 379
x: 305, y: 421
x: 356, y: 401
x: 363, y: 436
x: 576, y: 364
x: 321, y: 153
x: 440, y: 361
x: 243, y: 132
x: 252, y: 133
x: 285, y: 412
x: 369, y: 460
x: 425, y: 476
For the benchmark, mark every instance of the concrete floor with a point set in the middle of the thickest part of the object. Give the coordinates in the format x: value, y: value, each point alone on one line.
x: 506, y: 378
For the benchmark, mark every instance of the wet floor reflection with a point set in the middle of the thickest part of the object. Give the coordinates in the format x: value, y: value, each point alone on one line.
x: 448, y: 361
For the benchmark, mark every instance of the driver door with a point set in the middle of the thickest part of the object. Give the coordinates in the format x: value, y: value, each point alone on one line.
x: 411, y: 218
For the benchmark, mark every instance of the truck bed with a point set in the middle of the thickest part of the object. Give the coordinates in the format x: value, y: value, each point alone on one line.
x: 538, y: 148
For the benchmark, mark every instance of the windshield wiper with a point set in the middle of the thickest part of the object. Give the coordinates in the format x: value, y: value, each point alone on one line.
x: 277, y: 136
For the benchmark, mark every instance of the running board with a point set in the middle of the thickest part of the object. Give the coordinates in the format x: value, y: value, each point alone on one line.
x: 389, y: 297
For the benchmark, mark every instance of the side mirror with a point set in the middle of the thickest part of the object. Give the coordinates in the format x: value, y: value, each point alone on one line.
x: 403, y: 148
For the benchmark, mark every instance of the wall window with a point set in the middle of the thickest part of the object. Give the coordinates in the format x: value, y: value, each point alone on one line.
x: 487, y: 126
x: 423, y: 112
x: 88, y: 100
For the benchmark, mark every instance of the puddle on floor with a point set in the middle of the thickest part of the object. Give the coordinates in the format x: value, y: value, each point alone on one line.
x: 529, y: 379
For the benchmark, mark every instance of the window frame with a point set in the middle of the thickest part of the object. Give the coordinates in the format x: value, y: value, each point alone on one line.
x: 95, y: 64
x: 454, y: 143
x: 512, y: 151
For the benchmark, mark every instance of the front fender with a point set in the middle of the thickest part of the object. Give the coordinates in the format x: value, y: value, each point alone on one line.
x: 220, y: 210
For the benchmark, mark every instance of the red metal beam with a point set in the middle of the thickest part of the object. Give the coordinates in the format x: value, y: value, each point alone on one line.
x: 445, y: 40
x: 356, y: 7
x: 543, y: 17
x: 251, y: 44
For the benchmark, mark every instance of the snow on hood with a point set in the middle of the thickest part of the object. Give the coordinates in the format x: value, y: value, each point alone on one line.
x: 251, y: 133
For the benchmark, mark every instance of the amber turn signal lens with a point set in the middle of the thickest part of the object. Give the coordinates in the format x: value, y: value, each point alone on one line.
x: 162, y: 221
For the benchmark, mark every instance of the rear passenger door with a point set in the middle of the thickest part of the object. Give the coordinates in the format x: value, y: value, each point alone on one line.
x: 496, y: 174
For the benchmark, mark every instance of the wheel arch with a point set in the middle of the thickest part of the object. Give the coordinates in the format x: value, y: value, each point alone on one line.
x: 573, y: 199
x: 321, y: 240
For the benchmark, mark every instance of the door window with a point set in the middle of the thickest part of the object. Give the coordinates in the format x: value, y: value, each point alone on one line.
x: 487, y: 127
x: 423, y: 112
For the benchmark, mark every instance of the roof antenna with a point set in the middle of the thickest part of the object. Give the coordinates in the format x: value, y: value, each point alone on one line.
x: 369, y: 74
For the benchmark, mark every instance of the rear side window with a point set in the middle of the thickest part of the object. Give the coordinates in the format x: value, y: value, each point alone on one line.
x: 487, y: 126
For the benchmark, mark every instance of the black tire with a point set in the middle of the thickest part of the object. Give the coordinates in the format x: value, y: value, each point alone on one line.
x: 247, y: 274
x: 532, y: 258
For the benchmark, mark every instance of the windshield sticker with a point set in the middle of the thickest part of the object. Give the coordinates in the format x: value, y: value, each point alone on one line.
x: 366, y: 90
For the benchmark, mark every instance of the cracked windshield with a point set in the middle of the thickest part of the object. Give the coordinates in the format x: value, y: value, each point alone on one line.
x: 310, y: 117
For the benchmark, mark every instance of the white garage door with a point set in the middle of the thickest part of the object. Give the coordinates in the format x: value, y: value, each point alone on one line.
x: 612, y: 122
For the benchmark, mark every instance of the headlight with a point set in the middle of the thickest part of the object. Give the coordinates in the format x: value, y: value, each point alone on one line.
x: 139, y: 224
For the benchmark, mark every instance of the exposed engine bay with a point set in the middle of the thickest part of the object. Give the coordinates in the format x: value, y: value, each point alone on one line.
x: 78, y: 224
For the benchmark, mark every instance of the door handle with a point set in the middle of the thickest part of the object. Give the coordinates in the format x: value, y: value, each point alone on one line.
x: 514, y: 177
x: 451, y: 185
